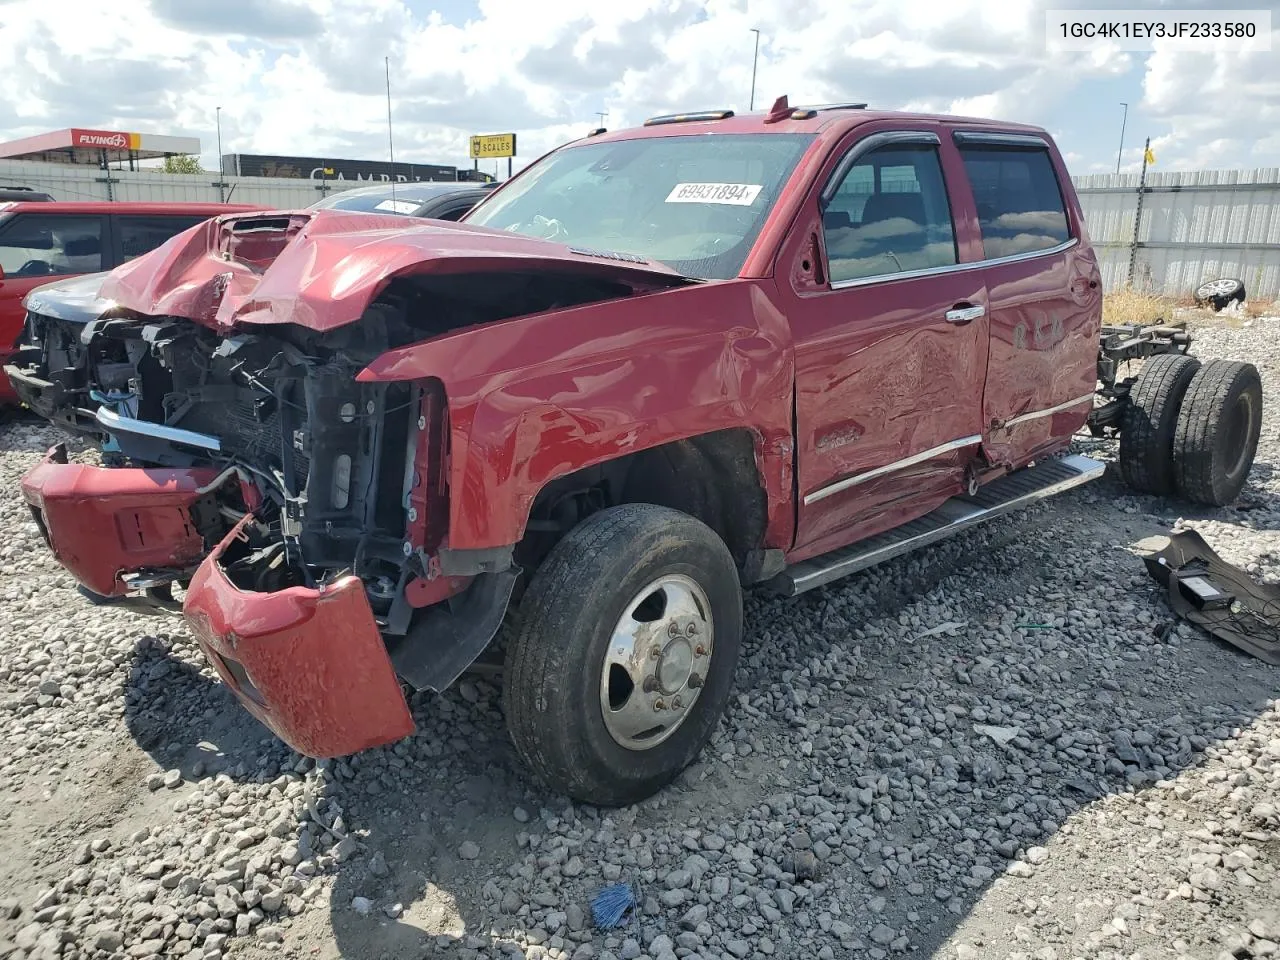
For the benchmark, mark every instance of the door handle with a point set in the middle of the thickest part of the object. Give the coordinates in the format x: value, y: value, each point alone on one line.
x: 961, y: 314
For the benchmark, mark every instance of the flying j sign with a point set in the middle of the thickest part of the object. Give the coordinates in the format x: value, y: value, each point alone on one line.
x: 106, y: 139
x: 493, y: 145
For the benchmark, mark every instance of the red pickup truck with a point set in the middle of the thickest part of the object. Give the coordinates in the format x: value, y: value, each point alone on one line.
x: 658, y: 366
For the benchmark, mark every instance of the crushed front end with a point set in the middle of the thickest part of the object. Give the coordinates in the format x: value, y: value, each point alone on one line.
x: 257, y: 474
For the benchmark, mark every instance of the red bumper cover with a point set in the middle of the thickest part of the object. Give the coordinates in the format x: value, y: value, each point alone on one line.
x: 102, y: 522
x: 308, y: 663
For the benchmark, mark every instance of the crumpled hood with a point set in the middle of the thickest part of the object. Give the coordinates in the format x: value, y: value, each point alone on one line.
x: 76, y: 299
x: 321, y: 269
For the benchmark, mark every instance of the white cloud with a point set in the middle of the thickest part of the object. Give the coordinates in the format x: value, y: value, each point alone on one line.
x: 313, y: 83
x: 1223, y: 107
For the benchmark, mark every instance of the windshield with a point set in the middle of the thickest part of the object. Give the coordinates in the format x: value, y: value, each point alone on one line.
x: 695, y: 203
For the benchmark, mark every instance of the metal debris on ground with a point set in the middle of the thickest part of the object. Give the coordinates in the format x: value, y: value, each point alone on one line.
x: 1211, y: 593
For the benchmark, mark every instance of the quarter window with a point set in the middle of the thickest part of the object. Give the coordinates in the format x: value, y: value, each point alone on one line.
x: 50, y: 245
x: 889, y: 215
x: 1020, y: 208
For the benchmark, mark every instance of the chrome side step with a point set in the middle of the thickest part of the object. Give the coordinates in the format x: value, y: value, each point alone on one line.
x: 956, y: 515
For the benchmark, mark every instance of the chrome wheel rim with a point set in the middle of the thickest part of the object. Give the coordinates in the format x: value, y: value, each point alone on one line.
x: 1218, y: 287
x: 657, y: 662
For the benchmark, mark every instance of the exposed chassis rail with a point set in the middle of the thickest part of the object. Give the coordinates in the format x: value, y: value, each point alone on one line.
x: 1118, y: 345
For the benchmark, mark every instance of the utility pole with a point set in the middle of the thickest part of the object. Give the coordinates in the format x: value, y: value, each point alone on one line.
x: 755, y: 60
x: 1137, y: 214
x: 222, y: 186
x: 602, y: 114
x: 1123, y: 120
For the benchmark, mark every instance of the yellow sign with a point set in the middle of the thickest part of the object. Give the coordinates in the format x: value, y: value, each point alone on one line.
x: 1149, y: 158
x: 491, y: 145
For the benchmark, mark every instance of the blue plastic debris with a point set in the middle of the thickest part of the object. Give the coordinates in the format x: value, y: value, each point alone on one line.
x: 611, y: 904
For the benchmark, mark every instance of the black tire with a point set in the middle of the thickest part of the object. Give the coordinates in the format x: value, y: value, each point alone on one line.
x: 1146, y: 429
x: 1217, y: 433
x: 1219, y: 294
x: 555, y: 664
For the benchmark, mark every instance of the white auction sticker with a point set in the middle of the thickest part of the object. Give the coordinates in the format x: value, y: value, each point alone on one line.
x: 397, y: 206
x: 735, y: 194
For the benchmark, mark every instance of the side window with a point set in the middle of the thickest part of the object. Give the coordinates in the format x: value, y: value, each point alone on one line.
x: 49, y: 245
x: 139, y: 235
x: 889, y: 215
x: 1020, y: 208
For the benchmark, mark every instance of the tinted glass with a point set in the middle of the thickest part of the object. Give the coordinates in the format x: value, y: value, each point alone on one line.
x: 695, y: 203
x: 889, y: 215
x: 407, y: 198
x: 44, y: 245
x: 138, y: 235
x: 1020, y: 208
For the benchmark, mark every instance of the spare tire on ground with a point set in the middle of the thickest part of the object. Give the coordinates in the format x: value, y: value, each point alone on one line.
x: 1220, y: 293
x: 1149, y: 421
x: 1216, y: 437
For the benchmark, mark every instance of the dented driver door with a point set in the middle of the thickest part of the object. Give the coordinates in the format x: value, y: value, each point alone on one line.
x: 891, y: 336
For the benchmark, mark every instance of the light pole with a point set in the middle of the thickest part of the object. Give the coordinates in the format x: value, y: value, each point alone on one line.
x: 755, y: 59
x: 1120, y: 152
x: 602, y: 114
x: 222, y: 187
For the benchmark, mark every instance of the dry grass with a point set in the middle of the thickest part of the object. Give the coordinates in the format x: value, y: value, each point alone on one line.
x: 1262, y: 308
x: 1130, y: 306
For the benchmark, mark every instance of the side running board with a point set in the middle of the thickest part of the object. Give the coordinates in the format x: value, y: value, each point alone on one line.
x: 956, y: 515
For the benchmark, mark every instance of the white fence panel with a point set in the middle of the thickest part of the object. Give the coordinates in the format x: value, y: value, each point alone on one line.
x: 1195, y: 227
x: 68, y: 182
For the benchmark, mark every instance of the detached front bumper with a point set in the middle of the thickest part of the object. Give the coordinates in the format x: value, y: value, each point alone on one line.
x: 102, y: 523
x: 309, y: 663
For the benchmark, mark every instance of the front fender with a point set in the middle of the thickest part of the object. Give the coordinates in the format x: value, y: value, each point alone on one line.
x: 535, y: 398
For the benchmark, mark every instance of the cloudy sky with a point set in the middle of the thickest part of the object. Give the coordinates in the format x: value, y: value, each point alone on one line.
x: 306, y: 76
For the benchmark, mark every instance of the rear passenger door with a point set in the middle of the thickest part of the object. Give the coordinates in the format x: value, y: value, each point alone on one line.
x: 1044, y: 296
x: 890, y: 338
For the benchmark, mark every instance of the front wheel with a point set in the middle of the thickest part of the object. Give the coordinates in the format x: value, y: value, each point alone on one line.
x: 625, y: 654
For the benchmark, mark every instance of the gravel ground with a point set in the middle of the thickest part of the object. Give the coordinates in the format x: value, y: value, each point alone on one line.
x: 1001, y: 748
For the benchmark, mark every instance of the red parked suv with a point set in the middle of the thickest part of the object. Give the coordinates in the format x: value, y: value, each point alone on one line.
x: 43, y: 241
x: 656, y: 367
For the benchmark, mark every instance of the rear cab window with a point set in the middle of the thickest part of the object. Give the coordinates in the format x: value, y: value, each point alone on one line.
x: 50, y: 245
x: 1018, y: 197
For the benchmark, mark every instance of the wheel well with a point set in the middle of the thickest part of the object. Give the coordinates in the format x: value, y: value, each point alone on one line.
x: 714, y: 477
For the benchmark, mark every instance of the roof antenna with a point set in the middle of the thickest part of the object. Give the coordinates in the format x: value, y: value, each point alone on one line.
x: 779, y: 111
